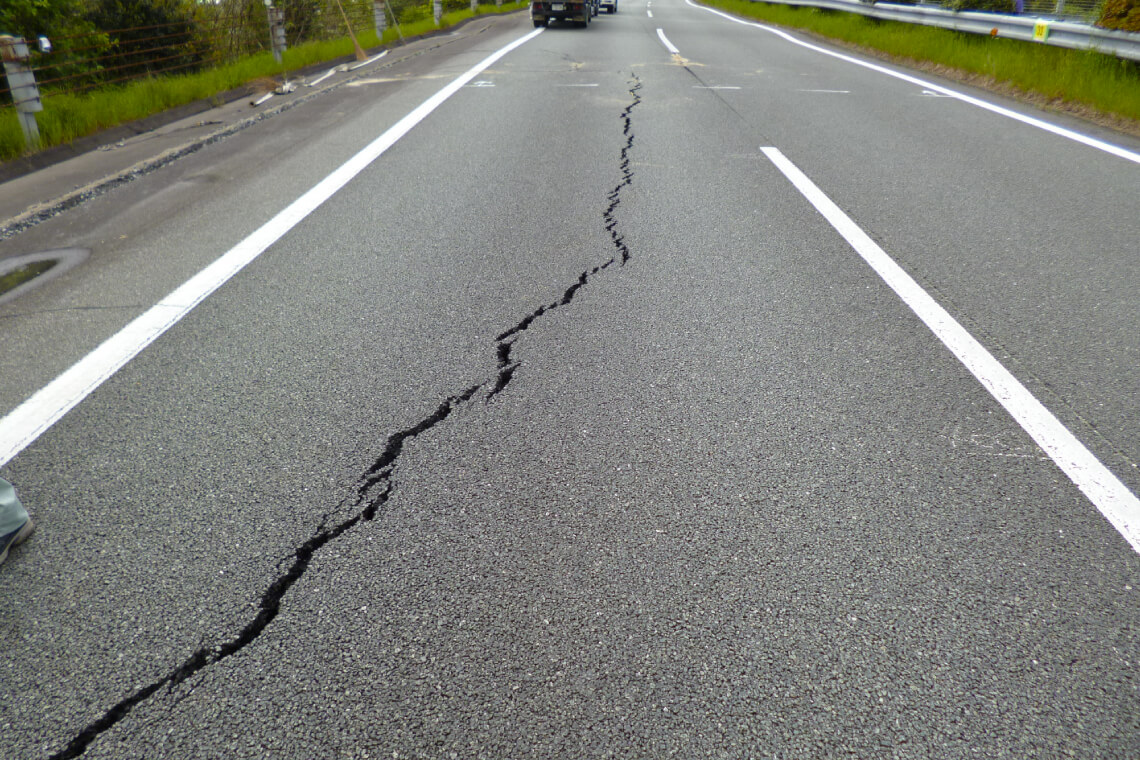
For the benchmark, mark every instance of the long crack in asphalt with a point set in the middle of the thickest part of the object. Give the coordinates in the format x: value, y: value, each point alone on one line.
x: 374, y: 488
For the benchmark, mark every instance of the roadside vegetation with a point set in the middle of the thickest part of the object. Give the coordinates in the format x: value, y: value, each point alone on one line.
x: 1120, y: 14
x: 1082, y: 82
x: 68, y: 116
x: 1092, y: 85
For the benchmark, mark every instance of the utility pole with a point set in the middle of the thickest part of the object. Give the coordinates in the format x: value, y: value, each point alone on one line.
x: 379, y: 19
x: 276, y: 30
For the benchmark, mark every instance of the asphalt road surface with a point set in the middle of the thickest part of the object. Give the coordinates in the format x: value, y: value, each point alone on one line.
x: 638, y: 396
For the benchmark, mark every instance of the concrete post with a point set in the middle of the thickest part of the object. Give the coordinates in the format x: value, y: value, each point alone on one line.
x: 276, y: 29
x: 437, y: 10
x: 379, y: 18
x: 22, y: 85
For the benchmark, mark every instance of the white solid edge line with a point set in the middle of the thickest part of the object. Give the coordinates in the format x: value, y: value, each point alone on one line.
x: 668, y: 45
x: 29, y: 420
x: 1092, y: 142
x: 1119, y: 505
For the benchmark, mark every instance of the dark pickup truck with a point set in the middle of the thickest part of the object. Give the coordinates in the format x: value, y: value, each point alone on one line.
x: 543, y: 12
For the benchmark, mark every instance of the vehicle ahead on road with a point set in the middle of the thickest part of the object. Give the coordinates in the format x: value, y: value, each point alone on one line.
x: 609, y: 5
x: 542, y: 12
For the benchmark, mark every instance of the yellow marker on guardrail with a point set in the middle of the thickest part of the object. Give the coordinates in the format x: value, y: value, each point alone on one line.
x: 1041, y: 31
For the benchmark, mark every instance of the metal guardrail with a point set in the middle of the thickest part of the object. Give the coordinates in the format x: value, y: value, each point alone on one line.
x: 1043, y: 29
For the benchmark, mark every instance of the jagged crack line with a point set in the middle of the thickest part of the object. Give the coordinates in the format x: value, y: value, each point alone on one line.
x: 379, y: 474
x: 626, y: 180
x: 506, y: 374
x: 270, y: 604
x: 507, y: 368
x: 568, y: 296
x: 504, y: 353
x: 525, y: 323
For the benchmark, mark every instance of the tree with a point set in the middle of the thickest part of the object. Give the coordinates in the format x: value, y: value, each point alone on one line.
x: 75, y: 43
x: 1120, y: 14
x: 147, y: 36
x: 31, y: 18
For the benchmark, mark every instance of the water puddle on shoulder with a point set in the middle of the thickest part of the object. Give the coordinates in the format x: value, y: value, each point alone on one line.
x: 22, y: 273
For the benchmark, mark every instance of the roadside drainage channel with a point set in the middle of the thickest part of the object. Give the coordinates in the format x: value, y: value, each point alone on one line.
x: 22, y: 273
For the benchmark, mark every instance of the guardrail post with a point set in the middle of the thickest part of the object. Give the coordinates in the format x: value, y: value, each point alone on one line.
x: 437, y: 10
x: 276, y: 29
x: 379, y: 18
x: 474, y: 5
x: 22, y: 85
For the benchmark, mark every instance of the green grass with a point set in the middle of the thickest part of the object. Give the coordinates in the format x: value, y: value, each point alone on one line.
x: 69, y: 117
x: 1104, y: 82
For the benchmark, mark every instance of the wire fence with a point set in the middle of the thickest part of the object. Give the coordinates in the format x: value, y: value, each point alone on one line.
x: 1087, y: 11
x: 1082, y: 10
x: 210, y: 34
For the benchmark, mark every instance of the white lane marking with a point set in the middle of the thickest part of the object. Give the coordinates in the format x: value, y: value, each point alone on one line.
x: 373, y: 59
x: 1119, y: 505
x: 44, y: 408
x: 326, y: 75
x: 386, y: 80
x: 649, y: 13
x: 829, y: 92
x: 668, y: 45
x: 715, y: 87
x: 482, y: 83
x: 1092, y: 142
